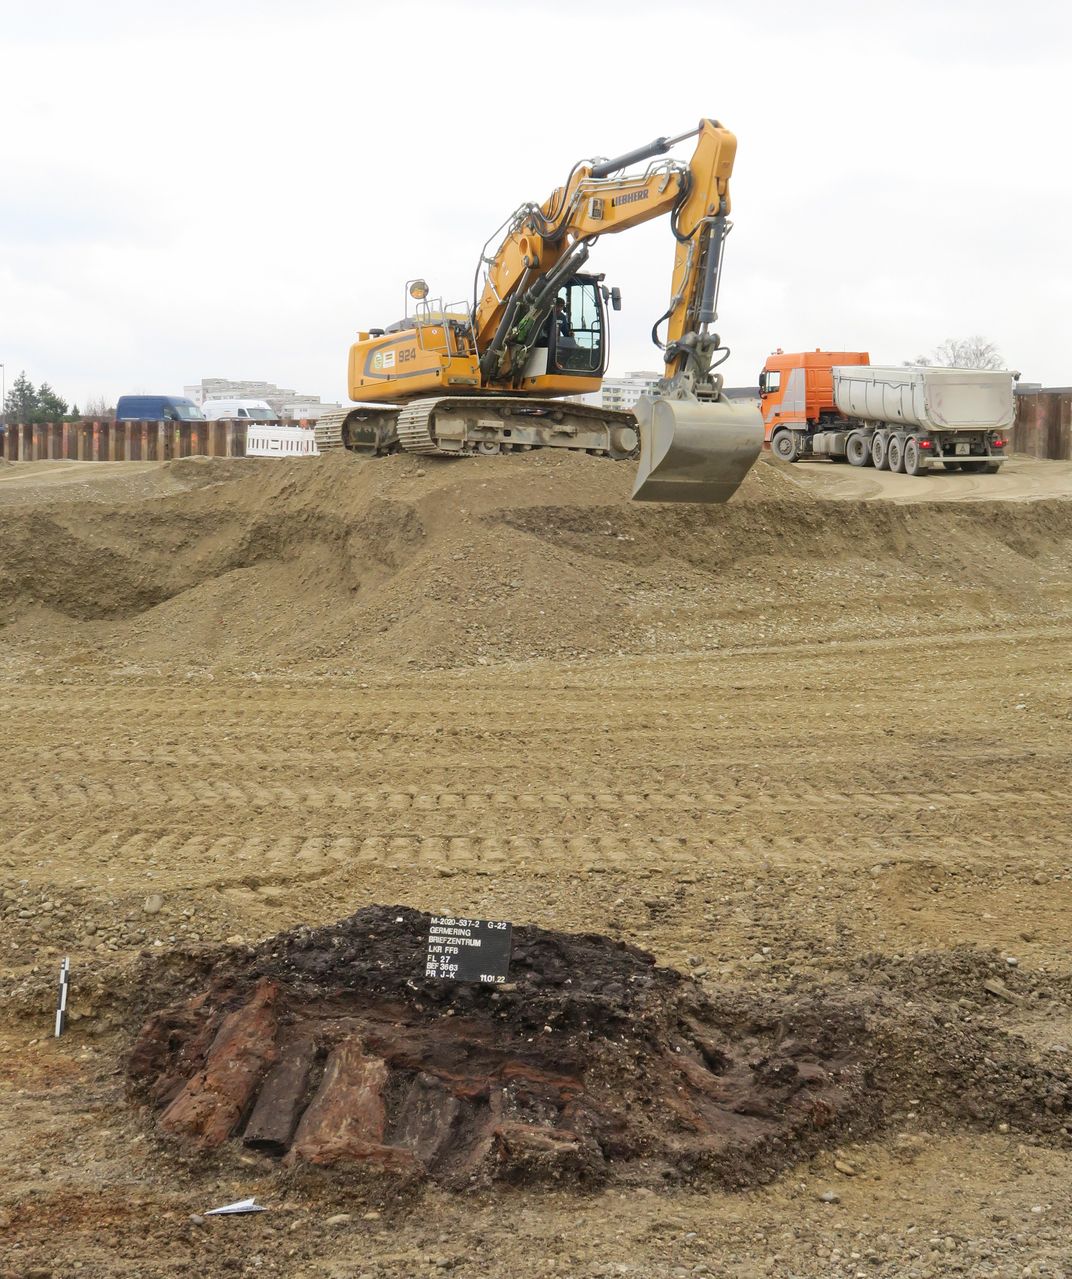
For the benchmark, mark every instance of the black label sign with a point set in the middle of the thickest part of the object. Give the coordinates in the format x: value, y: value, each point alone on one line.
x: 468, y: 950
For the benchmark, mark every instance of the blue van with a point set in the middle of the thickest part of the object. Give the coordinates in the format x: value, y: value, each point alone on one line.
x: 157, y: 408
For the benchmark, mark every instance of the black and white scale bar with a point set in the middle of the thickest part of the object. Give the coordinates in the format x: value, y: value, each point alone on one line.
x: 61, y: 1004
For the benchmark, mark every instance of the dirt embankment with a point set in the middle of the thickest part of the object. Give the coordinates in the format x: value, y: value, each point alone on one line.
x: 348, y: 564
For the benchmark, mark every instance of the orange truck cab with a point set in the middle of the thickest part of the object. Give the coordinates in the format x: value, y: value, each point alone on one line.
x: 797, y: 390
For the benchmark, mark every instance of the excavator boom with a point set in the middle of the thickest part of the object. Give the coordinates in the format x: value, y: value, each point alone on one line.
x: 695, y: 446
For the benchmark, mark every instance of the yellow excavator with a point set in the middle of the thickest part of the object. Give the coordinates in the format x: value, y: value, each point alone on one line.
x: 503, y: 372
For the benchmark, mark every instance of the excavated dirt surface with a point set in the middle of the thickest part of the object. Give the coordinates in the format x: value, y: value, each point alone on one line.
x: 810, y: 749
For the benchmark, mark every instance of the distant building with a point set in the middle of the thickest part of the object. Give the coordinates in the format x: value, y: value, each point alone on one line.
x: 619, y: 392
x: 622, y: 393
x: 284, y: 400
x: 306, y: 410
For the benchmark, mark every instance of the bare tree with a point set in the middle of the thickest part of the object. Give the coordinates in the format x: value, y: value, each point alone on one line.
x: 97, y: 408
x: 964, y: 353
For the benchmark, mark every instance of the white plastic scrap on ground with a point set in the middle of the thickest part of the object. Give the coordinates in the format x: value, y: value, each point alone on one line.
x: 61, y: 1003
x: 240, y: 1205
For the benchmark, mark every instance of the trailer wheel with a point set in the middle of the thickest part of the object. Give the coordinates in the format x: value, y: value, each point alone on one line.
x: 785, y: 446
x: 895, y: 454
x: 912, y: 458
x: 879, y: 456
x: 951, y: 466
x: 858, y: 450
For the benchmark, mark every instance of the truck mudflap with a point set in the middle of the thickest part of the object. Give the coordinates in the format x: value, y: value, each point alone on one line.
x: 694, y: 450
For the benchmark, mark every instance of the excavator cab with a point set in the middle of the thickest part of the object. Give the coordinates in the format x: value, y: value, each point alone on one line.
x: 573, y: 339
x: 578, y: 325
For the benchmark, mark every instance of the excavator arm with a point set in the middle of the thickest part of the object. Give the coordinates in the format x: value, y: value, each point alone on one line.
x: 695, y: 445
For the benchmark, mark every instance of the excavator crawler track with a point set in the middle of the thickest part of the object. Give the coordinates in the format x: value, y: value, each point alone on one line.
x: 328, y: 431
x: 366, y: 429
x: 415, y: 429
x: 452, y: 426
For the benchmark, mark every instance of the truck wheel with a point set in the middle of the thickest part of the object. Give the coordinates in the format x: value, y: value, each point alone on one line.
x: 951, y: 466
x: 895, y: 454
x: 991, y: 468
x: 912, y: 462
x: 858, y: 449
x: 784, y: 445
x: 879, y: 458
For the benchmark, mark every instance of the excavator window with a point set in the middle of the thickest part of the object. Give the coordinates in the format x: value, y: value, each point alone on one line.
x: 578, y: 344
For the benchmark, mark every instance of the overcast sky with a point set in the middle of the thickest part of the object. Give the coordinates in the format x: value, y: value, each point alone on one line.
x: 233, y: 189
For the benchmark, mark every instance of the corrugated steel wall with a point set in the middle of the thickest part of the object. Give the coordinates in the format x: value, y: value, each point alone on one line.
x: 121, y: 441
x: 125, y: 441
x: 1043, y: 425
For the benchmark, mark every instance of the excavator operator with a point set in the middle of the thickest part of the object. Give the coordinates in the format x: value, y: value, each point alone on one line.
x: 565, y: 329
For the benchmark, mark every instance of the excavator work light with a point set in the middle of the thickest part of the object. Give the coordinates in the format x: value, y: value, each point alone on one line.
x: 418, y: 290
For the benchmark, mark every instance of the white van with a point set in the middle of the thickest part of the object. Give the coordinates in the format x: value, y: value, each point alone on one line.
x: 246, y: 410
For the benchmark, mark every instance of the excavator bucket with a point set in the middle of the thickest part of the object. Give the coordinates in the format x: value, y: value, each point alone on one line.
x: 694, y: 450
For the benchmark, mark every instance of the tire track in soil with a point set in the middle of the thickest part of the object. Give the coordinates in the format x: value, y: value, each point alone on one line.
x: 143, y: 793
x: 192, y: 858
x: 473, y: 691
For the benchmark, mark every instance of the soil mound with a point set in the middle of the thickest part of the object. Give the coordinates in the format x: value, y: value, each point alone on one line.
x: 364, y: 565
x: 329, y: 1048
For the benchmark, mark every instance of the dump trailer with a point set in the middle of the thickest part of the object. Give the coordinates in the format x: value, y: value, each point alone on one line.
x: 836, y: 405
